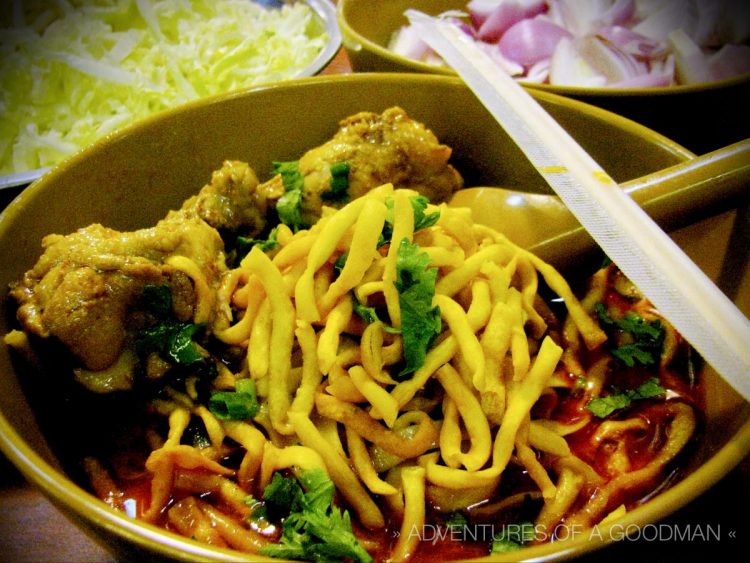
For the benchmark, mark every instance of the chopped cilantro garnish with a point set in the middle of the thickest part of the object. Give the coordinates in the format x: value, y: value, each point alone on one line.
x: 245, y: 244
x: 370, y: 315
x: 170, y: 338
x: 240, y: 404
x: 290, y: 174
x: 648, y: 337
x: 339, y: 182
x: 420, y: 321
x: 513, y: 537
x: 456, y: 521
x: 604, y: 406
x: 289, y: 205
x: 422, y: 220
x: 181, y: 347
x: 339, y: 264
x: 367, y: 314
x: 313, y: 529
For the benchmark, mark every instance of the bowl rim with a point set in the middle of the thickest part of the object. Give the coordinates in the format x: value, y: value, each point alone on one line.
x: 82, y: 506
x: 323, y: 9
x: 353, y: 40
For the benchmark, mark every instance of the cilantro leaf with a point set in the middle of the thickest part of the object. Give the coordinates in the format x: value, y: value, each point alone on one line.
x: 629, y: 354
x: 289, y: 208
x: 648, y: 390
x: 648, y: 337
x: 513, y: 537
x: 245, y: 244
x: 319, y: 489
x: 370, y: 315
x: 339, y: 264
x: 420, y: 321
x: 171, y: 339
x: 313, y: 529
x: 290, y: 174
x: 181, y: 347
x: 240, y: 404
x: 283, y: 495
x: 289, y: 205
x: 422, y: 220
x: 339, y: 183
x: 456, y: 521
x: 604, y: 406
x: 367, y: 314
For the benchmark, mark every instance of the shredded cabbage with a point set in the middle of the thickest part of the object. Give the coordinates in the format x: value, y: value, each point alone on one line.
x: 75, y: 71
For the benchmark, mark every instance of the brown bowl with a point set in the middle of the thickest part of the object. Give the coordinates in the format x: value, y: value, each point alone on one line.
x: 131, y: 179
x: 701, y: 117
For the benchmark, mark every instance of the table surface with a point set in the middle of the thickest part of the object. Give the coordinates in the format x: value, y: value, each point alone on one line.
x: 32, y: 529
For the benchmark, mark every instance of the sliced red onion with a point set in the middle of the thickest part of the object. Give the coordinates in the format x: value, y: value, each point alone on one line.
x: 710, y: 25
x: 479, y: 10
x: 634, y: 43
x: 694, y: 66
x: 538, y: 73
x: 666, y: 17
x: 665, y: 67
x: 407, y: 43
x: 530, y: 41
x: 466, y: 27
x: 506, y: 14
x: 659, y: 76
x: 619, y: 13
x: 568, y: 67
x: 583, y: 17
x: 730, y: 60
x: 510, y: 67
x: 691, y: 64
x: 595, y: 43
x: 615, y: 65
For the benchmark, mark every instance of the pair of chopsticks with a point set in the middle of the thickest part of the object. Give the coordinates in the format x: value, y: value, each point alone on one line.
x: 681, y: 292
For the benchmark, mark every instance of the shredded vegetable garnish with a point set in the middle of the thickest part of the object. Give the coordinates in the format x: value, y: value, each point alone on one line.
x: 73, y: 75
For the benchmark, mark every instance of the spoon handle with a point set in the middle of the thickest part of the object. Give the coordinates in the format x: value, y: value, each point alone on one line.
x: 674, y: 197
x: 696, y: 188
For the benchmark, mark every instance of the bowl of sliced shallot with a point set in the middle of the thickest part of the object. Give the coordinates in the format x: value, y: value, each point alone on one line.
x: 681, y: 67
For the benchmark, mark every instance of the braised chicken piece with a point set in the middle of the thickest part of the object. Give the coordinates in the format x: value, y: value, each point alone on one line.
x: 84, y: 288
x: 234, y: 199
x: 380, y: 148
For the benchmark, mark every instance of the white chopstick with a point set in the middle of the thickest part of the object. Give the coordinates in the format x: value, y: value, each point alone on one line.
x: 681, y: 292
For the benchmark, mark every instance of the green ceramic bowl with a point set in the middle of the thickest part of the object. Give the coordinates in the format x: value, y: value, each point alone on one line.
x: 131, y: 179
x: 701, y: 117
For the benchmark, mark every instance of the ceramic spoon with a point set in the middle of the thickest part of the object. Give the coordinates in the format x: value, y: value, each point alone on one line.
x: 673, y: 197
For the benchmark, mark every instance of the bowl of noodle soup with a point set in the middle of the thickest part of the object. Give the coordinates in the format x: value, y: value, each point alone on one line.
x: 402, y: 428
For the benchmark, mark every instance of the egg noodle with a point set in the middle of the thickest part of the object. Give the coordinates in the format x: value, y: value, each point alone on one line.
x: 334, y: 396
